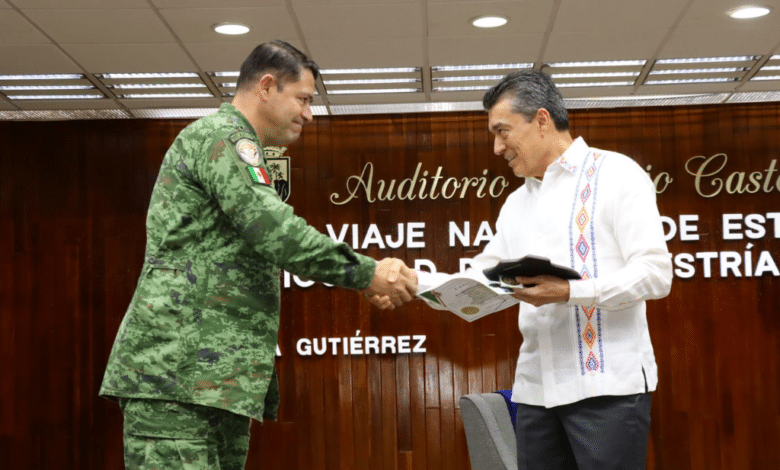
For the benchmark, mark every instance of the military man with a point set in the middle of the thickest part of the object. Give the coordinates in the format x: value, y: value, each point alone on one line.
x: 193, y: 360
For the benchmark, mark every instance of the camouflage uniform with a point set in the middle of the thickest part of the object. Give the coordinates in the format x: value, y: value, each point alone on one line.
x: 182, y: 436
x: 202, y: 326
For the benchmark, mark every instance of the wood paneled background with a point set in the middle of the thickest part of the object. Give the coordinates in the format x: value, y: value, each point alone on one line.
x: 73, y: 197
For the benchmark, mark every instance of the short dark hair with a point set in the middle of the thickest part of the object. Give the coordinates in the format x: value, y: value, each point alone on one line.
x: 278, y: 58
x: 531, y: 90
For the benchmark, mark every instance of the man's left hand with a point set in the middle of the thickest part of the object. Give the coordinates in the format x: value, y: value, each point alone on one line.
x: 545, y: 290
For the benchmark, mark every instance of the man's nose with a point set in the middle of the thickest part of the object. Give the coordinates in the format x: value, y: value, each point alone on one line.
x: 498, y: 146
x: 307, y: 116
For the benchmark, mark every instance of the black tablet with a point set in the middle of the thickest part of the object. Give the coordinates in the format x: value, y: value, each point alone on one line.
x: 527, y: 266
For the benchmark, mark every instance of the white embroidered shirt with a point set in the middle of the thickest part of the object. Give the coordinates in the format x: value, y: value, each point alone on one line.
x: 596, y: 212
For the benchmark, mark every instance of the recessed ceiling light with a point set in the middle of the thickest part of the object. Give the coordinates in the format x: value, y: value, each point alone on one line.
x: 377, y: 70
x: 708, y: 60
x: 373, y: 81
x: 489, y: 21
x: 57, y: 76
x: 592, y: 84
x: 462, y: 88
x: 125, y: 76
x: 165, y: 95
x: 54, y: 97
x: 748, y: 11
x: 377, y: 91
x: 599, y: 63
x: 231, y: 28
x: 461, y: 68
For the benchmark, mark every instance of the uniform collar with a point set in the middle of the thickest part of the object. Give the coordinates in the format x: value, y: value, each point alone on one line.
x: 233, y: 113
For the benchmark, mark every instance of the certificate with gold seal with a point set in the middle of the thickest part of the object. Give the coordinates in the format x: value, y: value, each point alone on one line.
x: 464, y: 296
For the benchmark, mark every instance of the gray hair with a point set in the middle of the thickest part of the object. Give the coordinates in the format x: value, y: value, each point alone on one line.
x: 531, y: 90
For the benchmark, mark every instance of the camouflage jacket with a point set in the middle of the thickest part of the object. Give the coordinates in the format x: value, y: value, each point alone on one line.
x: 202, y: 325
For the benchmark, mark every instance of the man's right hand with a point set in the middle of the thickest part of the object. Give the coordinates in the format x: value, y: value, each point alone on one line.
x: 393, y: 285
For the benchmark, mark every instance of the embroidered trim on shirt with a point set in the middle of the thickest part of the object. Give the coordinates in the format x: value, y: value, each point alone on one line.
x: 583, y: 259
x: 565, y: 164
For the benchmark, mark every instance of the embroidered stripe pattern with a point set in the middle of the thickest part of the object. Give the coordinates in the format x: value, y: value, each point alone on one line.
x: 582, y: 244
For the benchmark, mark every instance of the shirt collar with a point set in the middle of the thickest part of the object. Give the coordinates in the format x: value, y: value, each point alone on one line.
x: 573, y: 156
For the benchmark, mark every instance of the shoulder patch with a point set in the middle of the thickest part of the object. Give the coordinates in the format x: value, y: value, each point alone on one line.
x: 238, y: 135
x: 248, y: 152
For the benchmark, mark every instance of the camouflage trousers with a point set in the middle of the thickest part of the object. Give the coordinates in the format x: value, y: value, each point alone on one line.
x: 161, y: 434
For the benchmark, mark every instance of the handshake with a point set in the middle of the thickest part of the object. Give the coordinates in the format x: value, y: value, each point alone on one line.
x: 394, y: 284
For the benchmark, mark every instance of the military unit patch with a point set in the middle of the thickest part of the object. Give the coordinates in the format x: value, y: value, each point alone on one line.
x: 279, y: 169
x: 249, y: 152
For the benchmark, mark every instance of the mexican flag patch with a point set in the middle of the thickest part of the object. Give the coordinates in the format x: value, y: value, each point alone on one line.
x: 258, y: 175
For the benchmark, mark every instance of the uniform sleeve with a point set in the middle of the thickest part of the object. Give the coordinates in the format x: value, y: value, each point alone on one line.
x: 243, y: 191
x: 636, y: 226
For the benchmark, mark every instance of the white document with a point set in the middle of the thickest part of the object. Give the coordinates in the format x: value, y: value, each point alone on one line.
x: 469, y: 297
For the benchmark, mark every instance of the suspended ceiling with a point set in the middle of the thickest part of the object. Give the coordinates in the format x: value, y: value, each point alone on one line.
x: 95, y: 39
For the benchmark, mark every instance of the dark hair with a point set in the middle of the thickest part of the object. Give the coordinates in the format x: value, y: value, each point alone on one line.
x: 278, y: 58
x: 531, y: 90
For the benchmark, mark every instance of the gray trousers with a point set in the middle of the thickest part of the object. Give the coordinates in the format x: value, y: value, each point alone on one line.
x: 604, y: 433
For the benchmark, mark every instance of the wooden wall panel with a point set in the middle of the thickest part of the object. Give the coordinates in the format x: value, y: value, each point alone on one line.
x: 73, y: 197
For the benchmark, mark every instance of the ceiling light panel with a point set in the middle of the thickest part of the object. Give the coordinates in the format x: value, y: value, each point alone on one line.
x: 48, y: 87
x: 372, y: 81
x: 700, y: 70
x: 770, y: 70
x: 225, y: 82
x: 594, y: 74
x: 471, y: 77
x: 155, y: 85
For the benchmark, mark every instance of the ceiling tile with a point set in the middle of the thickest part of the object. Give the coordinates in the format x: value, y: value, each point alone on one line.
x: 349, y: 2
x: 78, y: 4
x: 454, y: 19
x: 14, y: 29
x: 450, y: 96
x: 195, y: 24
x: 686, y: 88
x: 68, y: 104
x: 472, y: 50
x: 105, y: 58
x: 136, y: 26
x: 761, y: 85
x: 348, y: 53
x: 35, y: 59
x: 378, y: 98
x: 712, y: 14
x: 603, y: 45
x: 360, y: 21
x: 211, y: 3
x: 223, y: 57
x: 576, y: 16
x: 700, y: 43
x: 173, y: 103
x: 578, y: 92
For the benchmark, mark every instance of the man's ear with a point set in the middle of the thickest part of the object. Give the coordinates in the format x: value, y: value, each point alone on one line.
x: 264, y: 85
x: 543, y: 118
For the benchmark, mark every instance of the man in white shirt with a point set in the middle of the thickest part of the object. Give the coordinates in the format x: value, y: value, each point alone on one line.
x: 586, y: 365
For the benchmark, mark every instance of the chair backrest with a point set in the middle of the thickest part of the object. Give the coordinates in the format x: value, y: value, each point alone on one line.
x: 489, y: 433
